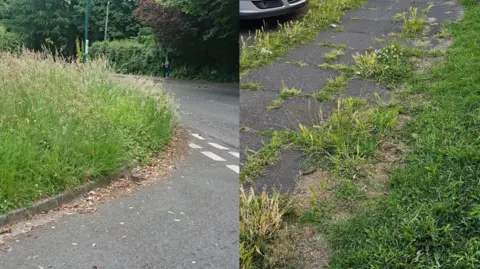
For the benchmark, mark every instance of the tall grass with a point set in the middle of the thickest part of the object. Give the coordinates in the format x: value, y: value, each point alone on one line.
x: 260, y: 220
x: 62, y: 125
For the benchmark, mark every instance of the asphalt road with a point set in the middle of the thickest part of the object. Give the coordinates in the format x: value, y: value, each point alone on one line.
x: 211, y: 108
x: 187, y: 221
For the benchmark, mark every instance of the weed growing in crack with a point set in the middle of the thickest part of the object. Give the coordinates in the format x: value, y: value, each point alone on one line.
x: 288, y: 93
x: 413, y: 22
x: 250, y: 86
x: 444, y: 33
x: 338, y: 67
x: 284, y: 95
x: 332, y: 45
x: 334, y: 54
x: 333, y: 87
x: 339, y: 29
x: 298, y: 63
x: 257, y: 161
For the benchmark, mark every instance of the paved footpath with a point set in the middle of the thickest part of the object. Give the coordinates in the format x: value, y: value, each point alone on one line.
x: 365, y: 27
x: 189, y: 220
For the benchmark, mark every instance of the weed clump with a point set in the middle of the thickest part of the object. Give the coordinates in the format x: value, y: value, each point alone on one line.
x: 413, y: 22
x: 389, y: 66
x: 352, y: 134
x: 260, y: 220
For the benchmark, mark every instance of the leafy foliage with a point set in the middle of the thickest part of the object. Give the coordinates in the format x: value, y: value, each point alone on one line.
x: 121, y: 22
x: 129, y: 56
x: 9, y: 41
x: 200, y: 35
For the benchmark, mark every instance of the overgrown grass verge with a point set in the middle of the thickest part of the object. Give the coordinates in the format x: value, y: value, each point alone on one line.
x: 62, y: 125
x: 267, y: 46
x: 431, y: 218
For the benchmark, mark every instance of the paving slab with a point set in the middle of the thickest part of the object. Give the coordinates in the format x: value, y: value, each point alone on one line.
x: 367, y: 89
x: 288, y: 116
x: 378, y: 10
x: 349, y: 39
x: 283, y: 175
x: 311, y: 54
x: 374, y: 27
x: 304, y: 78
x: 251, y: 140
x: 446, y: 12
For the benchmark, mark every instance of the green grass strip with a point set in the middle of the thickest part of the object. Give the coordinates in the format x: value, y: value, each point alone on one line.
x: 431, y: 219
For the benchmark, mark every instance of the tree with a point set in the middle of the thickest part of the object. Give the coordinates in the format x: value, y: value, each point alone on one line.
x: 121, y: 22
x: 199, y: 33
x: 42, y: 23
x: 56, y: 24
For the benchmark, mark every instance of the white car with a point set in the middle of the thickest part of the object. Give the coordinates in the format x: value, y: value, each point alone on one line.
x: 261, y: 9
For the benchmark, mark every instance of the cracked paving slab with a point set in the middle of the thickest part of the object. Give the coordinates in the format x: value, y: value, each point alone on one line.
x: 282, y: 176
x: 274, y: 77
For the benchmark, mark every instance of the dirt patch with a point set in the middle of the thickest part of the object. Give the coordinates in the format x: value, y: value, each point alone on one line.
x: 299, y: 247
x: 159, y: 168
x: 315, y: 185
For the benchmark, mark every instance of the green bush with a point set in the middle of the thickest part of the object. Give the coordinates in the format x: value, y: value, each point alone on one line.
x: 9, y: 41
x: 62, y: 125
x: 129, y: 56
x: 142, y: 56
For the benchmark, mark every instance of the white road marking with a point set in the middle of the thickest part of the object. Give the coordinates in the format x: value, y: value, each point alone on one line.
x: 217, y: 145
x: 198, y: 136
x: 194, y: 146
x: 235, y: 168
x: 236, y: 154
x: 213, y: 156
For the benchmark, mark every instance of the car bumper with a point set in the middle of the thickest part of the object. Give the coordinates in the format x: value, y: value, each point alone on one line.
x: 248, y: 11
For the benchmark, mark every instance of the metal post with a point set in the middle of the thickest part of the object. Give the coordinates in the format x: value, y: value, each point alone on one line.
x: 106, y: 22
x: 85, y: 55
